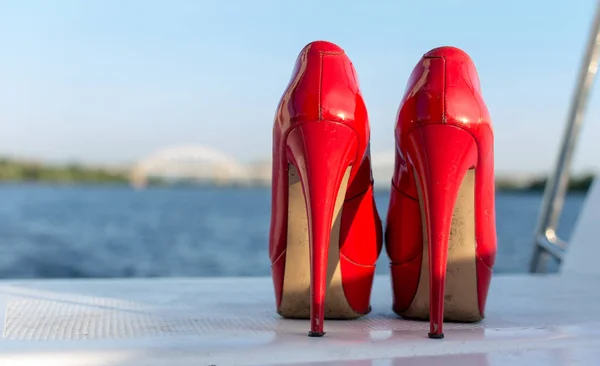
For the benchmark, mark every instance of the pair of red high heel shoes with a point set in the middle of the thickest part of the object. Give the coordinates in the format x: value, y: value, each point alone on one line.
x: 326, y: 234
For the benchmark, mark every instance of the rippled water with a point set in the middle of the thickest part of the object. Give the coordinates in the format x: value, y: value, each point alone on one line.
x: 100, y: 231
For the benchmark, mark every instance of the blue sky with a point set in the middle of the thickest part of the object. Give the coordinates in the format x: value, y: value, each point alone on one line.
x: 113, y: 81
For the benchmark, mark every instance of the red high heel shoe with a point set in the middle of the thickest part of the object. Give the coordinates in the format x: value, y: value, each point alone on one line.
x: 325, y: 234
x: 440, y: 232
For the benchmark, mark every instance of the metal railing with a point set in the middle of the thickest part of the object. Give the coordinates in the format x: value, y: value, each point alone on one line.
x: 546, y: 243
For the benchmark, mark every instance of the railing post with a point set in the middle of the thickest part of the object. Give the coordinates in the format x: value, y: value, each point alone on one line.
x: 556, y: 186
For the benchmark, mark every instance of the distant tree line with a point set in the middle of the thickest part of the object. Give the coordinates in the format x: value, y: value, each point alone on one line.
x: 576, y: 184
x: 13, y: 170
x: 24, y: 171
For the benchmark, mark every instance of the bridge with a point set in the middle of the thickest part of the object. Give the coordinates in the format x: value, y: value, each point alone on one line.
x: 207, y: 165
x: 193, y: 162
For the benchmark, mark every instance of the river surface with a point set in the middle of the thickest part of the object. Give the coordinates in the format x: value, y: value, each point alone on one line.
x: 114, y: 231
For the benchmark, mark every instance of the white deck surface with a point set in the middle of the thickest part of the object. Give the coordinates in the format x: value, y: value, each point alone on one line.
x: 531, y: 321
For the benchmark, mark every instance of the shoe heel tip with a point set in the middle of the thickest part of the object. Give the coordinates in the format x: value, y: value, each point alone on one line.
x: 316, y: 334
x: 436, y: 335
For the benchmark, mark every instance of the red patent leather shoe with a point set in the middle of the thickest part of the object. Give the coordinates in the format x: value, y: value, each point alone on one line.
x: 325, y: 234
x: 440, y: 232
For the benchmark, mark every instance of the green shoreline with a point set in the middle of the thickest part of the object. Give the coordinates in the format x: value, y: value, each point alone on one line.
x: 579, y: 183
x: 19, y: 171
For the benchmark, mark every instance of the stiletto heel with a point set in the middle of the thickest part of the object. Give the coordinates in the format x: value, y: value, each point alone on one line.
x: 441, y: 156
x: 325, y: 232
x: 322, y: 153
x: 441, y: 233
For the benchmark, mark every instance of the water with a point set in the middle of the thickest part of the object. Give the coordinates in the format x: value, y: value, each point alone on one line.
x: 100, y: 231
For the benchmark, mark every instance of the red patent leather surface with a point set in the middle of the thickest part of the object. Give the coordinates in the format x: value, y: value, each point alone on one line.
x: 324, y: 87
x: 443, y: 89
